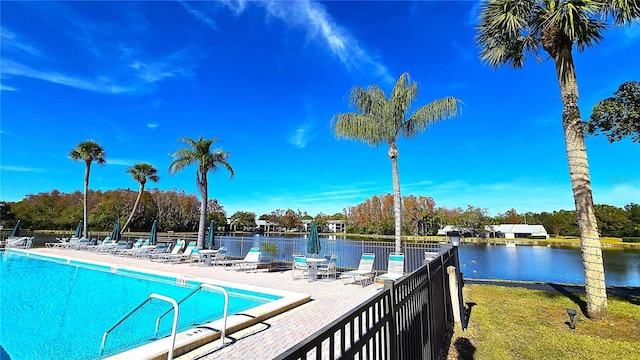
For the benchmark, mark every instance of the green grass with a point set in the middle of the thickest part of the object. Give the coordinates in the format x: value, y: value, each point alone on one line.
x: 516, y: 323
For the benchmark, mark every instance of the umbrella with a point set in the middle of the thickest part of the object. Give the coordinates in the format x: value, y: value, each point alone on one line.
x: 313, y: 243
x: 115, y: 233
x: 210, y: 236
x: 153, y: 236
x: 16, y: 230
x: 78, y: 232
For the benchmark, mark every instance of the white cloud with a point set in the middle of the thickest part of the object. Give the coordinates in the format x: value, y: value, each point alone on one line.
x: 99, y: 84
x: 299, y: 138
x: 122, y: 162
x: 152, y: 125
x: 319, y: 25
x: 199, y: 15
x: 4, y: 87
x: 19, y: 169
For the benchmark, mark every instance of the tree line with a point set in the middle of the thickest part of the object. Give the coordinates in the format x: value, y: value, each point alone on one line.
x: 177, y: 211
x: 421, y: 217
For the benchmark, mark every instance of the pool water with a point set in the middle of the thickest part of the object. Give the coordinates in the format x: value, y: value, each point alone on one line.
x: 54, y: 310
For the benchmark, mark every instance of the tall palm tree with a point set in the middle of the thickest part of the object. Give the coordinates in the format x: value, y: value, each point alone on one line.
x: 87, y: 151
x: 199, y: 152
x: 384, y: 120
x: 140, y: 173
x: 510, y: 30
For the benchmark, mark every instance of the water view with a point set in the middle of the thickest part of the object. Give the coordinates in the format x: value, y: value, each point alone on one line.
x: 546, y: 264
x: 519, y: 263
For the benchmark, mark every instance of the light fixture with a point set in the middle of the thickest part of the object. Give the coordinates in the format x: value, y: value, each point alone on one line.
x: 572, y: 314
x: 454, y: 237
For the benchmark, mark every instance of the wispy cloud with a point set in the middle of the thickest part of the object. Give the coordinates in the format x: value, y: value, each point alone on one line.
x: 121, y: 162
x: 19, y: 169
x: 99, y: 84
x: 4, y: 87
x: 300, y: 136
x: 318, y: 25
x: 199, y: 15
x: 152, y: 125
x: 13, y: 44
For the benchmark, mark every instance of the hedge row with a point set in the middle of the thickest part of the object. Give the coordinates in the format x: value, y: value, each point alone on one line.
x: 631, y: 239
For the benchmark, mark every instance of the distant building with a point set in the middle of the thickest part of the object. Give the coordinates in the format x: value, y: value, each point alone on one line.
x: 337, y: 226
x: 265, y: 226
x: 506, y: 231
x: 333, y: 226
x: 515, y: 231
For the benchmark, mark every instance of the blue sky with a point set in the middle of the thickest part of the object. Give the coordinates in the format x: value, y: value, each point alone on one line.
x: 267, y: 77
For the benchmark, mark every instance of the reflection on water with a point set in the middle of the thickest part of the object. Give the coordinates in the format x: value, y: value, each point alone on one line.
x: 546, y: 264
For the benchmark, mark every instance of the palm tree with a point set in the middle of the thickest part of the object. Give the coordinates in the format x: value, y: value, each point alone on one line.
x: 87, y: 151
x: 140, y: 173
x: 384, y: 120
x: 199, y: 152
x: 510, y: 30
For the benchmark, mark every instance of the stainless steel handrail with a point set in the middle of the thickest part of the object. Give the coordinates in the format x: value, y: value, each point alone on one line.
x: 173, y: 328
x: 226, y: 307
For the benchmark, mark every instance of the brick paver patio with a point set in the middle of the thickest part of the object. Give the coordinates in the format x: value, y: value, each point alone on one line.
x: 329, y: 300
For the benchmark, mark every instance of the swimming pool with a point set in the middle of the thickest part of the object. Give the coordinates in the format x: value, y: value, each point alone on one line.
x: 55, y: 308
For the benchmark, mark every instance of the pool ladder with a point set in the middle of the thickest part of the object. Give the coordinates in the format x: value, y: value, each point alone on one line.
x: 175, y: 315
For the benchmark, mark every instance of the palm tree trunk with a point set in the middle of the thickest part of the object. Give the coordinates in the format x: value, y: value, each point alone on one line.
x: 203, y: 210
x: 85, y: 205
x: 581, y: 184
x: 397, y: 200
x: 135, y: 206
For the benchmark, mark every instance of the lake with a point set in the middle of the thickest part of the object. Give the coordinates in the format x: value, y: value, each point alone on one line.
x: 546, y: 264
x: 520, y: 263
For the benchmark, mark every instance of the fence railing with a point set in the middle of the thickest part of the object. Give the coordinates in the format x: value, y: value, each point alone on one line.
x: 408, y: 320
x: 348, y: 250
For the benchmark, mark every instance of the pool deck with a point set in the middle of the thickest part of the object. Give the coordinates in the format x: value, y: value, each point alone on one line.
x: 329, y: 300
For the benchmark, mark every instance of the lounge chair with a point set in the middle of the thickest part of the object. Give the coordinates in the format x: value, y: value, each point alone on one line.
x: 154, y: 256
x: 155, y: 250
x: 186, y: 255
x: 395, y: 267
x: 364, y: 272
x: 60, y: 244
x: 249, y: 262
x: 299, y: 264
x: 329, y: 269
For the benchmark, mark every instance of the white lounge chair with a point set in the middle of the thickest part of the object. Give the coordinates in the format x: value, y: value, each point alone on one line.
x: 159, y: 256
x: 249, y: 262
x: 299, y: 264
x: 364, y: 272
x: 395, y: 267
x: 180, y: 256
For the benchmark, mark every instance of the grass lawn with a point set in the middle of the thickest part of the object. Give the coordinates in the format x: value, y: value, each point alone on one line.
x: 517, y: 323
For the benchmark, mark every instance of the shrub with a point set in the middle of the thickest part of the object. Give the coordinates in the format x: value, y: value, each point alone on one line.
x: 543, y: 237
x: 631, y: 239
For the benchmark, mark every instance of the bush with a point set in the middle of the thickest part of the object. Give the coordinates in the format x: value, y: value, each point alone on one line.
x: 543, y: 237
x: 631, y: 239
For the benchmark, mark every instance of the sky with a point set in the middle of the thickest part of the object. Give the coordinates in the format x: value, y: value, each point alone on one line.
x: 267, y: 77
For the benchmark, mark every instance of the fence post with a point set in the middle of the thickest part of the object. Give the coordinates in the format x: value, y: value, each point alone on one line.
x: 453, y: 290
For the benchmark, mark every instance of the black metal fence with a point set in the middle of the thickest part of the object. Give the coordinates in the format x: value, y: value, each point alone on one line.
x: 406, y: 321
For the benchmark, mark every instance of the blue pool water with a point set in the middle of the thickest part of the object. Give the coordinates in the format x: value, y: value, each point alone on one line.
x: 53, y: 310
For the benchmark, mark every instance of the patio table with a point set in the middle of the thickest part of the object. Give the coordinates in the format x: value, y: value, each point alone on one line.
x: 313, y: 267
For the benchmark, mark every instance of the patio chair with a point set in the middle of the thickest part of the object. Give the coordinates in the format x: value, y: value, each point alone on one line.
x: 395, y: 267
x: 364, y: 272
x: 299, y: 264
x: 329, y: 269
x: 249, y: 262
x: 221, y: 256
